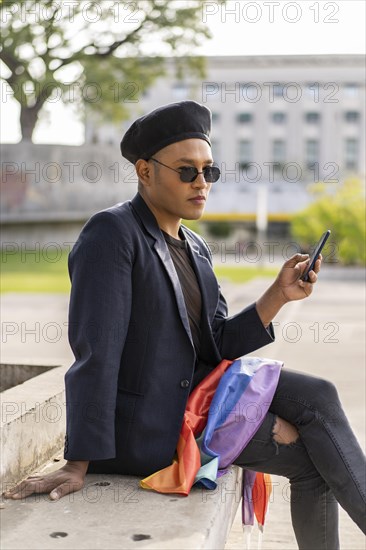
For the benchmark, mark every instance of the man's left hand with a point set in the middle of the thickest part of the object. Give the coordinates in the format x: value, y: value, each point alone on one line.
x: 288, y: 280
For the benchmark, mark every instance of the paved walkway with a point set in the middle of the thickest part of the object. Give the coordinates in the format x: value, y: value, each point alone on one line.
x: 324, y: 335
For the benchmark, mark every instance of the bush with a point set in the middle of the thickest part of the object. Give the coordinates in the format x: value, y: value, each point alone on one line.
x: 221, y: 229
x: 343, y: 212
x: 193, y: 225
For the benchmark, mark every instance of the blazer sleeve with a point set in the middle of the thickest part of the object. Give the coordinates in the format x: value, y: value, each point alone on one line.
x: 241, y: 333
x: 100, y: 266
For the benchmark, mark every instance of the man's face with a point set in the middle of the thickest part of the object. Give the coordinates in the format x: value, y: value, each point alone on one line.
x: 169, y: 198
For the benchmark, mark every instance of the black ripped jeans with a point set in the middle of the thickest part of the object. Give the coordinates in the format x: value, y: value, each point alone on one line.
x: 324, y: 465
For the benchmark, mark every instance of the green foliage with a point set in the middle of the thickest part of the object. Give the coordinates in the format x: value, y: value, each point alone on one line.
x: 101, y: 53
x: 220, y: 229
x: 193, y: 225
x: 343, y: 212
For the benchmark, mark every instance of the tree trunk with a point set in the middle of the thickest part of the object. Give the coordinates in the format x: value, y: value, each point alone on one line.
x: 28, y: 120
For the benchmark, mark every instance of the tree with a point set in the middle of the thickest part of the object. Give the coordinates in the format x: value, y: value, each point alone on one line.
x: 343, y: 212
x: 101, y: 53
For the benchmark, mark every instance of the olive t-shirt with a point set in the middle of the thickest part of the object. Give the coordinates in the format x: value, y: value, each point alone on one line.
x: 191, y: 291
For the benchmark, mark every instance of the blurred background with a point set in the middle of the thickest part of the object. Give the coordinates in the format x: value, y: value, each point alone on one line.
x: 286, y: 85
x: 285, y: 82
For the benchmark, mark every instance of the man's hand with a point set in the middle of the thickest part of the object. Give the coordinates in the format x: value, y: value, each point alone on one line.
x: 287, y: 287
x: 288, y: 280
x: 68, y: 479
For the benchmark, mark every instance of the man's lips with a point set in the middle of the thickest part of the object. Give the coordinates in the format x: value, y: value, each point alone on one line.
x: 199, y: 198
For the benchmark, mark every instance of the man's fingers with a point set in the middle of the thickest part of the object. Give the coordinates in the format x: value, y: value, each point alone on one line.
x: 65, y: 489
x: 295, y: 259
x: 33, y: 484
x: 57, y: 484
x: 306, y: 286
x: 313, y: 277
x: 24, y: 489
x: 318, y: 264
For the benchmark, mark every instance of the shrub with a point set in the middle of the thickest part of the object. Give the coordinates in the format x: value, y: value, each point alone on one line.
x: 343, y: 212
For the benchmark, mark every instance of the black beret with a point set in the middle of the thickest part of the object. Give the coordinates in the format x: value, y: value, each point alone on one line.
x: 163, y: 126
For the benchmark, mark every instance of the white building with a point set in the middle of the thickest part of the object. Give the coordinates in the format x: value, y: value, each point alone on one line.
x: 279, y: 123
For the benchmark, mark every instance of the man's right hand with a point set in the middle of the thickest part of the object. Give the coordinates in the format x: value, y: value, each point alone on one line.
x: 68, y: 479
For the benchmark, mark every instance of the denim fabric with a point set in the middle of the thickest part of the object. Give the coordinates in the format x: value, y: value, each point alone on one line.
x: 324, y: 465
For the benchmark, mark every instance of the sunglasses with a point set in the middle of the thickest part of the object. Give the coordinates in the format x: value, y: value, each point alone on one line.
x: 188, y: 174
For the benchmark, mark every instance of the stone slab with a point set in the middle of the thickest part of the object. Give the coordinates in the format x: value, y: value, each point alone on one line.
x: 32, y: 424
x: 114, y: 512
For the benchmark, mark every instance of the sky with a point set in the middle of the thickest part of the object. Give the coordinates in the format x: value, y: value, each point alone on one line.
x: 240, y: 28
x: 285, y: 27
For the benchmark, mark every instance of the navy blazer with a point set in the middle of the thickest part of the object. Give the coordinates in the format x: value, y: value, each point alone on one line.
x: 135, y: 362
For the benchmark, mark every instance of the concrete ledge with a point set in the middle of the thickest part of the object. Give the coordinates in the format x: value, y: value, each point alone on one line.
x: 114, y: 512
x: 12, y: 375
x: 32, y: 423
x: 111, y: 511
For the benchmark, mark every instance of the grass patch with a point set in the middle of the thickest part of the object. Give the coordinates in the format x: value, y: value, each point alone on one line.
x: 28, y: 281
x: 242, y: 274
x: 38, y: 272
x: 35, y: 272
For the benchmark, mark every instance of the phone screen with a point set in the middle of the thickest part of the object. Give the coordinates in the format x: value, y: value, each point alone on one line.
x: 315, y: 254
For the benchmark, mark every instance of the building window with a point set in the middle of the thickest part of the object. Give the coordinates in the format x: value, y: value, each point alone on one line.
x: 311, y: 153
x: 352, y: 116
x: 278, y: 118
x: 279, y: 153
x: 351, y: 154
x: 312, y: 117
x: 244, y: 118
x: 351, y: 89
x: 278, y: 90
x: 245, y: 153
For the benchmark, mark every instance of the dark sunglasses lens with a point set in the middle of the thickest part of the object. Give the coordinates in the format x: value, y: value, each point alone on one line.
x: 188, y: 174
x: 211, y: 173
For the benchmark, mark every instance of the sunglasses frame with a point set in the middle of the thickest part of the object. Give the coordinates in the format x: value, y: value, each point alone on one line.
x: 180, y: 172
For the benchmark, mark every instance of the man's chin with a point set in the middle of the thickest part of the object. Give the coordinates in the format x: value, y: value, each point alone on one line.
x: 195, y: 214
x: 192, y: 217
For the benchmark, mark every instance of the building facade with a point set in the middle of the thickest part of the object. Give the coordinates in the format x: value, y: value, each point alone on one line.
x: 280, y: 123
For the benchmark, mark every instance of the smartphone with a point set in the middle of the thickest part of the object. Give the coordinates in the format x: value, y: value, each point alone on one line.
x: 323, y: 239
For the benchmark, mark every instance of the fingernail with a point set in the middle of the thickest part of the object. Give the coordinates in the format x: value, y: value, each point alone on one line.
x: 54, y: 495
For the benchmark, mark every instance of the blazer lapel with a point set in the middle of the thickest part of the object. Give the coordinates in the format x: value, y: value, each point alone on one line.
x: 163, y: 252
x: 206, y: 278
x: 148, y: 220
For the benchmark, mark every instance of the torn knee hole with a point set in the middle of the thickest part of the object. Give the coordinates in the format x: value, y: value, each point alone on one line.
x: 283, y: 432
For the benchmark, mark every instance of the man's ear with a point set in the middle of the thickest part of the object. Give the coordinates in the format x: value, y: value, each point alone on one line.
x: 143, y: 171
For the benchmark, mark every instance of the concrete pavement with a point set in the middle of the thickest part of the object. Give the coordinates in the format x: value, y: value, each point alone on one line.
x: 323, y: 335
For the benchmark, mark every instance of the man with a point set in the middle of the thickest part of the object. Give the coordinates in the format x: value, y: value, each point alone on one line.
x: 148, y: 322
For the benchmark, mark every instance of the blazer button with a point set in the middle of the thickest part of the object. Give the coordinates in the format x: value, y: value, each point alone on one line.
x: 184, y: 383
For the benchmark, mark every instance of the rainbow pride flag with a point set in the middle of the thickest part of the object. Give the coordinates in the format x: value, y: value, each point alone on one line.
x: 222, y: 414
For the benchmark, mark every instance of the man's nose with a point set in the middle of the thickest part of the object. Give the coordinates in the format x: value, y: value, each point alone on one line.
x: 200, y: 181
